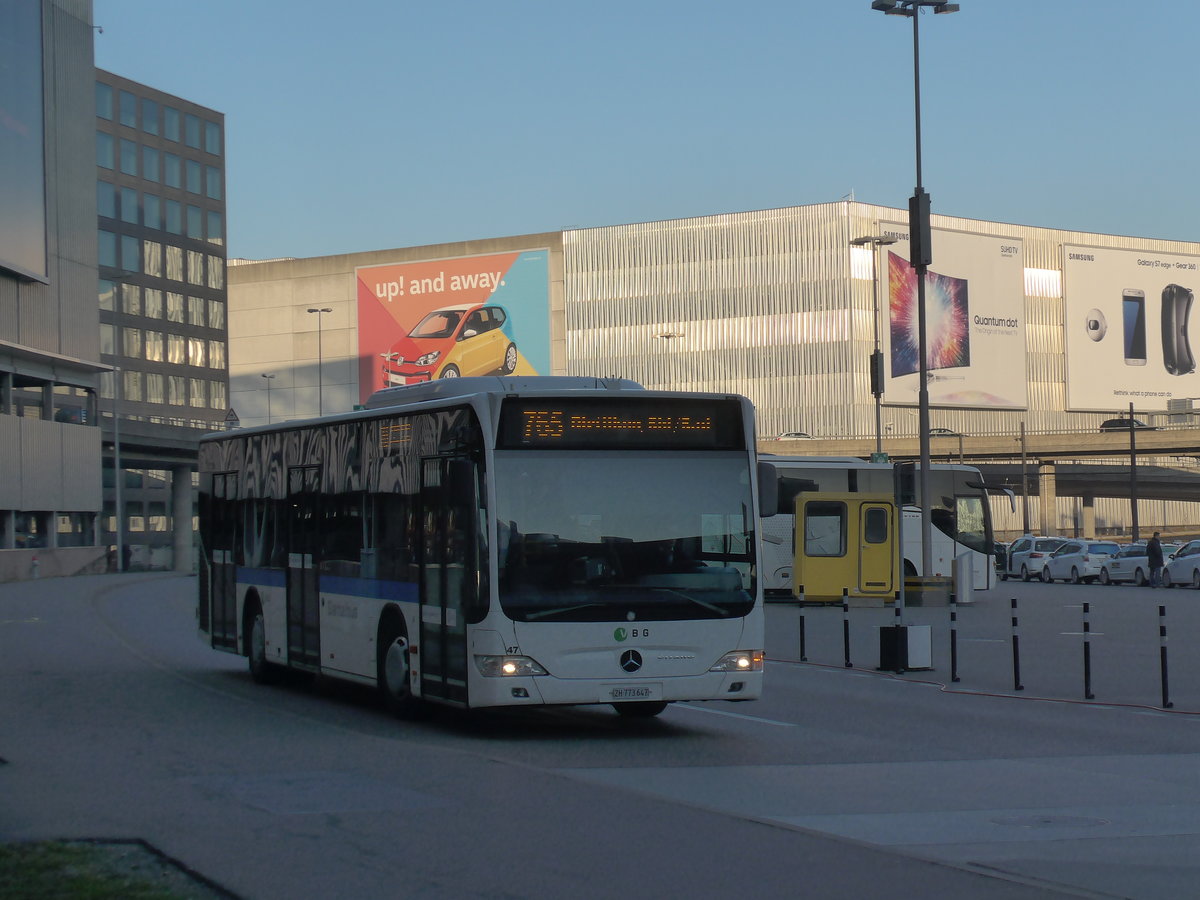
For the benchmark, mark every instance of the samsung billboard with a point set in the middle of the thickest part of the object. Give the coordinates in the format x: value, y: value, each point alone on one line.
x: 22, y: 142
x: 975, y: 320
x: 1129, y: 329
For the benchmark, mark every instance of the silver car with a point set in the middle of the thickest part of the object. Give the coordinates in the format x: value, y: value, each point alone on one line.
x: 1184, y: 567
x: 1027, y: 556
x: 1131, y: 565
x: 1079, y: 561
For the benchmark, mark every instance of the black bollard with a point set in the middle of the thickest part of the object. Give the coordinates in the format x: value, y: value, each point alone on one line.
x: 953, y: 636
x: 1162, y: 656
x: 1087, y: 654
x: 803, y: 651
x: 846, y: 625
x: 1016, y: 648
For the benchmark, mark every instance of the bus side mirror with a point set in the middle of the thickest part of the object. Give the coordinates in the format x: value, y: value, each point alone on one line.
x: 768, y: 490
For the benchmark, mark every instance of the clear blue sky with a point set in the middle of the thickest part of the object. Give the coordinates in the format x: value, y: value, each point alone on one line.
x: 370, y: 124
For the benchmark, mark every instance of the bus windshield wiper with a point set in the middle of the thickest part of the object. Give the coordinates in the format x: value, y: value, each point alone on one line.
x: 546, y: 613
x: 709, y: 606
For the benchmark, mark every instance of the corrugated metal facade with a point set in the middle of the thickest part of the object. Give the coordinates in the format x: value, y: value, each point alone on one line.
x: 777, y: 305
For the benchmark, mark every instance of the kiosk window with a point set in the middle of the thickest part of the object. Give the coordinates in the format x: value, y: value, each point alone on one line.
x: 875, y: 526
x: 825, y: 529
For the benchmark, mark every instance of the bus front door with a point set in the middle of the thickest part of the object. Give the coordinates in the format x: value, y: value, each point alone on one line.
x: 222, y: 543
x: 448, y: 508
x: 303, y: 588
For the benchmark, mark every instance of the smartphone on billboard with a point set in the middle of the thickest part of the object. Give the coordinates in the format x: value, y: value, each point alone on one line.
x: 1133, y: 306
x: 1177, y: 350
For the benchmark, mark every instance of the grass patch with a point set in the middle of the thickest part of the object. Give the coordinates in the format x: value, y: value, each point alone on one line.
x: 53, y: 870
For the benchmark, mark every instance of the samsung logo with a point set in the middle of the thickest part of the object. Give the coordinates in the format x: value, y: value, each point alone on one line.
x: 1086, y: 257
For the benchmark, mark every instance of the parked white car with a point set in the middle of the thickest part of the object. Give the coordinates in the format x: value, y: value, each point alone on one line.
x: 1131, y: 565
x: 1027, y: 556
x: 1184, y: 566
x: 1079, y: 561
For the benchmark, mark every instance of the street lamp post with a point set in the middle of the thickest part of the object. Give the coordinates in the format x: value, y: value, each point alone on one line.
x: 120, y: 277
x: 320, y: 381
x: 875, y: 242
x: 118, y: 474
x: 920, y: 256
x: 270, y: 378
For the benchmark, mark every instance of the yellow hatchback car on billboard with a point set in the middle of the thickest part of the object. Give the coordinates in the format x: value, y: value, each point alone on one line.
x: 454, y: 341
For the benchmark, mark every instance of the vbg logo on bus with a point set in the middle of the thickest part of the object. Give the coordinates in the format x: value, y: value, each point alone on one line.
x: 622, y: 634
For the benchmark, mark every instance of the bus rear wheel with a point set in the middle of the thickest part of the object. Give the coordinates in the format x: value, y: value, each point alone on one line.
x: 640, y: 709
x: 394, y: 676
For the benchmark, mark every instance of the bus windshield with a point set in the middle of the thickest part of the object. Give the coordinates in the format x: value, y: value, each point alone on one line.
x: 624, y: 536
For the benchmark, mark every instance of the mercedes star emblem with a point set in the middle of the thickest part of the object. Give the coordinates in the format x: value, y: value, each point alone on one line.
x: 631, y: 660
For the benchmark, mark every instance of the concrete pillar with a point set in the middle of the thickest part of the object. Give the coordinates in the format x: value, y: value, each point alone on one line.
x: 1047, y: 499
x: 181, y: 516
x: 1089, y: 516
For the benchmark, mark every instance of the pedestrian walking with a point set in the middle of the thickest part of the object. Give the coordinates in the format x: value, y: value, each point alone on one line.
x: 1154, y: 559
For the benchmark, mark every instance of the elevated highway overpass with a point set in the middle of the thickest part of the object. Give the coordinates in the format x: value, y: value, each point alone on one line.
x: 1069, y: 463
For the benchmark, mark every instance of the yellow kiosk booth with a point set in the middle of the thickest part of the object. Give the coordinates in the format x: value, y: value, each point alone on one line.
x: 846, y: 541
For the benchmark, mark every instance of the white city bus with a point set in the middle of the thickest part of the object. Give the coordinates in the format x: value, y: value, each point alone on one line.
x: 960, y: 514
x: 495, y: 541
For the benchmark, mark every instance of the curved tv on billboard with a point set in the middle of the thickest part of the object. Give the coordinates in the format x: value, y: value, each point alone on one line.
x: 22, y: 143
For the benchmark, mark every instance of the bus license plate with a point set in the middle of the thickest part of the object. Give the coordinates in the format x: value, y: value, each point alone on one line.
x: 635, y: 692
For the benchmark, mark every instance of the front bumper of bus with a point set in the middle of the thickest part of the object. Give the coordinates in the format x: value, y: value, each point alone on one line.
x: 518, y: 681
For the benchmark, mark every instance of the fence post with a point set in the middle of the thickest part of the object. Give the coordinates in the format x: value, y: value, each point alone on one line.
x: 1087, y: 654
x: 803, y: 649
x: 953, y: 636
x: 846, y: 625
x: 1016, y: 648
x: 1162, y: 655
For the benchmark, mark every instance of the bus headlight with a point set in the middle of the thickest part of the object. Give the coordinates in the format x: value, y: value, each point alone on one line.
x: 739, y: 661
x: 508, y: 666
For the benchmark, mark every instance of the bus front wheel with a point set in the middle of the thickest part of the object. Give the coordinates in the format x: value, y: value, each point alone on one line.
x: 261, y: 671
x: 394, y: 676
x: 640, y: 709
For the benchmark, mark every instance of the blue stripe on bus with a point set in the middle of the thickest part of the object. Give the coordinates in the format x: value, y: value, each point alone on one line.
x: 400, y: 591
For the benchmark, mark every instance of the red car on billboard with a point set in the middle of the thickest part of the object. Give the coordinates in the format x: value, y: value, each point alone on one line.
x: 453, y: 341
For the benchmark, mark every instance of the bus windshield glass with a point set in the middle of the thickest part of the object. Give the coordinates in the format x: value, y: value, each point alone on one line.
x: 624, y: 536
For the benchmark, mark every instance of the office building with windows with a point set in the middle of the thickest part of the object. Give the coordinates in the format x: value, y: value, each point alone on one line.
x: 49, y: 352
x: 160, y: 202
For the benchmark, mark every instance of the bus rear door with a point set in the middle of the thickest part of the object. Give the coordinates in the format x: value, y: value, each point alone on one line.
x: 303, y: 588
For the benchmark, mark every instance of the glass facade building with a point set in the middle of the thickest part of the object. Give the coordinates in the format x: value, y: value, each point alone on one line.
x: 161, y: 293
x: 49, y: 357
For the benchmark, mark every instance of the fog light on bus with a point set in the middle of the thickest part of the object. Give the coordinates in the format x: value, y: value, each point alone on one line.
x: 739, y: 661
x: 507, y: 666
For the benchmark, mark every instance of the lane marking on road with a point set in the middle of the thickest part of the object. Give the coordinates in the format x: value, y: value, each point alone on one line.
x: 733, y: 715
x: 31, y: 621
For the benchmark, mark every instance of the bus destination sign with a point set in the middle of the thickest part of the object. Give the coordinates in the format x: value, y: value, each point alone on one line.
x: 627, y: 423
